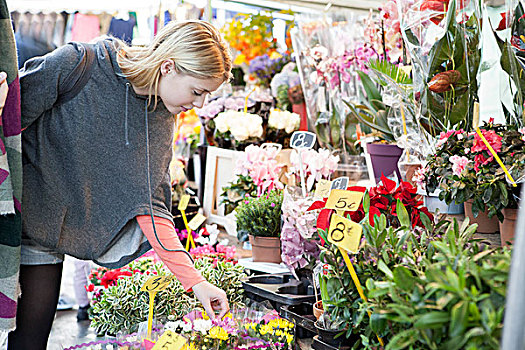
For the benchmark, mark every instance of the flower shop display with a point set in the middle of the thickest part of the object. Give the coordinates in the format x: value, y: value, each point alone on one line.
x: 464, y: 170
x: 259, y: 219
x: 122, y: 306
x: 317, y: 164
x: 239, y: 330
x: 239, y: 126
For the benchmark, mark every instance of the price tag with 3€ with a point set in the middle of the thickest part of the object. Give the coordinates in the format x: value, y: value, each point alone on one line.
x: 183, y: 203
x: 156, y: 283
x: 345, y: 233
x: 302, y: 139
x: 343, y: 200
x: 197, y: 220
x: 170, y: 341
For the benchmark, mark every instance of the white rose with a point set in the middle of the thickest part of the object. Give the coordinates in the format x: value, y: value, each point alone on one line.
x: 240, y: 132
x: 292, y: 122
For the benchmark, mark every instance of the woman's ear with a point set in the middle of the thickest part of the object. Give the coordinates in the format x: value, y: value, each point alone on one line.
x: 167, y: 67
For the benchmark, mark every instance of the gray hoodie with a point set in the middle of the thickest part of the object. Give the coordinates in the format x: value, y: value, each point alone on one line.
x: 85, y: 161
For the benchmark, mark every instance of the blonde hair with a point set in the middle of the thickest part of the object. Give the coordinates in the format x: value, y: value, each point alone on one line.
x: 196, y: 47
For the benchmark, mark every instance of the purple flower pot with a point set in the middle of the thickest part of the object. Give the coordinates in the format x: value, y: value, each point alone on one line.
x: 384, y: 159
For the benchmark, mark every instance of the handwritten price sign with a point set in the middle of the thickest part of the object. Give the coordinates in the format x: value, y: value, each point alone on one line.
x: 156, y: 283
x: 344, y: 233
x: 170, y: 341
x: 183, y: 203
x: 196, y: 222
x: 322, y: 189
x: 302, y: 139
x: 341, y: 183
x: 343, y: 200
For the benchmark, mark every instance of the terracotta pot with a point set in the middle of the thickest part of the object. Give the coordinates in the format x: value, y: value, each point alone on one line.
x: 318, y: 309
x: 508, y: 226
x: 266, y: 249
x: 485, y: 224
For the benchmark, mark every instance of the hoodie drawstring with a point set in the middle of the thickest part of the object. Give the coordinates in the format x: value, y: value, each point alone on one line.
x: 126, y: 115
x: 148, y: 176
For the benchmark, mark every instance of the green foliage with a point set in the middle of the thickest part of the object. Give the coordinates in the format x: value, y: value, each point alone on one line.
x: 260, y: 217
x: 123, y: 306
x: 236, y: 191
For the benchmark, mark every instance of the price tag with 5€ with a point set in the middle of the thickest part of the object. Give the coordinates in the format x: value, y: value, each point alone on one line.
x: 156, y: 283
x: 322, y: 189
x: 197, y: 220
x: 183, y: 203
x: 170, y: 341
x: 345, y: 233
x: 343, y: 200
x: 302, y: 139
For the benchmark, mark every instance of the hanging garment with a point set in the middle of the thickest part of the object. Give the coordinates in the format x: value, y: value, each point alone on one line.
x: 122, y: 29
x: 28, y: 47
x: 10, y: 177
x: 85, y: 28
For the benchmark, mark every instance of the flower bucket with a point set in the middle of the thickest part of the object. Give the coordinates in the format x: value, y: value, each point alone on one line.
x: 508, y: 226
x: 384, y: 159
x: 266, y: 249
x: 434, y: 204
x: 485, y: 224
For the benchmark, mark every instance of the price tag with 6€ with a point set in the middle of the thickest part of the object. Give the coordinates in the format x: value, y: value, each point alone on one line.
x: 197, y: 220
x: 156, y: 283
x: 322, y: 189
x: 183, y: 203
x: 302, y: 139
x: 345, y: 233
x: 343, y: 200
x: 170, y: 341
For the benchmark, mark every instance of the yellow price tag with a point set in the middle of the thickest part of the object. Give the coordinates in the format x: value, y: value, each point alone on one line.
x: 170, y: 341
x: 344, y: 200
x: 183, y: 203
x: 197, y: 220
x: 322, y: 189
x: 344, y: 233
x: 156, y: 283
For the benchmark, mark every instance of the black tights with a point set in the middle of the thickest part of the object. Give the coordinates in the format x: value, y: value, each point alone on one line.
x: 40, y: 285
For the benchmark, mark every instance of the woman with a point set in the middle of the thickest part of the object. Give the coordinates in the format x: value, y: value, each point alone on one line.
x: 96, y: 166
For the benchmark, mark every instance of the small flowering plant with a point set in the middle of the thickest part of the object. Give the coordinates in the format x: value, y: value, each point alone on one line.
x: 260, y: 217
x: 462, y: 167
x: 264, y: 67
x: 317, y: 165
x: 218, y: 253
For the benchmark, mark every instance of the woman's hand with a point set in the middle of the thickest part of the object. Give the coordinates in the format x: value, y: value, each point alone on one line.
x: 212, y: 298
x: 3, y: 90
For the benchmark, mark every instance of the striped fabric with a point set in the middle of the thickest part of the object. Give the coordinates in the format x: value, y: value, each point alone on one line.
x: 10, y: 177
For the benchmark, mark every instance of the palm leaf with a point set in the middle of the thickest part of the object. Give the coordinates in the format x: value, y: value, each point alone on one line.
x: 389, y: 72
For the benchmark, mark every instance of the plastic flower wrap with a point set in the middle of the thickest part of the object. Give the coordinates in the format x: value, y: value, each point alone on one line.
x: 316, y: 165
x: 298, y: 233
x: 443, y: 38
x: 283, y: 86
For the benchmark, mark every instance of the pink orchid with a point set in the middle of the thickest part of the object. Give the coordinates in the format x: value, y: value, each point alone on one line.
x: 522, y: 131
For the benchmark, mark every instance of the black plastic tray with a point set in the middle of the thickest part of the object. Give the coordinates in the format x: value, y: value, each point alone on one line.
x: 302, y: 316
x: 318, y: 344
x: 278, y: 289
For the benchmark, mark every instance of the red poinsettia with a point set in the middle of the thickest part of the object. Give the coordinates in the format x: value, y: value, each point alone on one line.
x: 383, y: 200
x: 111, y: 276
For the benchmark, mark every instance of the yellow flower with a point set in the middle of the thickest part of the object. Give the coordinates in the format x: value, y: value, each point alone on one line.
x: 274, y: 55
x: 240, y: 59
x: 289, y: 338
x: 218, y: 333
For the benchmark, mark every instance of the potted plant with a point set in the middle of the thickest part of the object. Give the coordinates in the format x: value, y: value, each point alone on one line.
x: 466, y: 172
x: 260, y: 219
